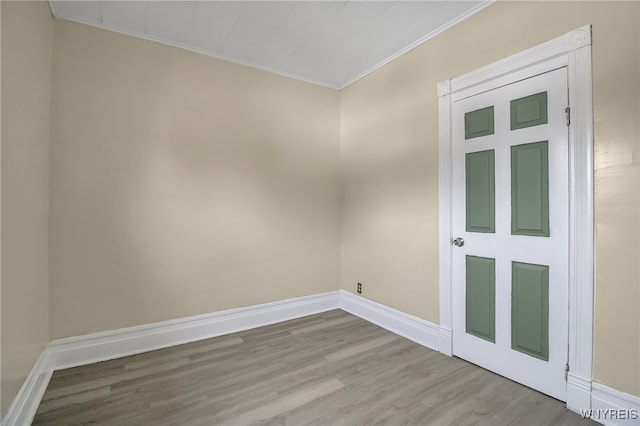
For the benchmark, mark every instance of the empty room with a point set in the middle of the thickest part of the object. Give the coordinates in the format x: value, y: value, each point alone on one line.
x: 320, y: 212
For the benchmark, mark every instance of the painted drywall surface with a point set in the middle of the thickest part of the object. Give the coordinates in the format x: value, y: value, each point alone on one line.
x: 182, y: 185
x: 27, y: 29
x: 617, y: 210
x: 389, y: 139
x: 1, y: 403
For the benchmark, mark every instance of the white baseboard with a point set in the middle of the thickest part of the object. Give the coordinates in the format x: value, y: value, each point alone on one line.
x: 25, y: 404
x: 446, y: 341
x: 578, y: 393
x: 612, y: 407
x: 82, y: 350
x: 413, y: 328
x: 607, y: 405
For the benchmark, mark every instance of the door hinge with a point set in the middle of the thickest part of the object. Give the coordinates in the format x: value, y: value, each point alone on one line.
x: 567, y: 112
x: 566, y: 371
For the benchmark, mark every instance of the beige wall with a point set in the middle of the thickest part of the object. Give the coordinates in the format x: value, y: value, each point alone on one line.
x: 389, y: 139
x: 27, y: 30
x: 2, y: 404
x: 183, y: 185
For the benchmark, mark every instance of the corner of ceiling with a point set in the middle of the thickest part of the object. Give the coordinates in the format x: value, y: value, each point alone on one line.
x: 484, y: 4
x: 54, y: 8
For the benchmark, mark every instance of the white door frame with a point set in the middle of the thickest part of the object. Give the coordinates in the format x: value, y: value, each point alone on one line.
x: 572, y: 50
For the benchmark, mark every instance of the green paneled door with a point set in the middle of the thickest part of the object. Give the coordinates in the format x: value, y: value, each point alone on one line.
x: 478, y: 123
x: 481, y: 297
x: 529, y: 111
x: 530, y: 309
x: 530, y: 189
x: 509, y: 227
x: 480, y: 191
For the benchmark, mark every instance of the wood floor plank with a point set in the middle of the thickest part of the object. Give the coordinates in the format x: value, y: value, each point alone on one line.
x: 359, y: 348
x: 327, y: 369
x: 287, y: 402
x: 322, y: 325
x: 191, y: 352
x: 78, y: 398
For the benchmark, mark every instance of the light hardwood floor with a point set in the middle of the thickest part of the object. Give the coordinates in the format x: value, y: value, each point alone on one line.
x: 326, y: 369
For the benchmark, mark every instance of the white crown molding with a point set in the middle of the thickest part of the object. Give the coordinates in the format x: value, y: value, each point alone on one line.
x: 608, y: 406
x: 24, y: 406
x: 95, y: 24
x: 53, y: 7
x: 485, y: 3
x: 421, y: 40
x: 572, y: 50
x: 413, y: 328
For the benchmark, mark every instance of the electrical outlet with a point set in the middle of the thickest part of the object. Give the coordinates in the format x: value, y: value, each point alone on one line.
x: 359, y: 288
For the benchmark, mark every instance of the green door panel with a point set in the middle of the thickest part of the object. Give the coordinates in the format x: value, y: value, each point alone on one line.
x: 530, y: 309
x: 480, y: 191
x: 529, y: 111
x: 530, y: 189
x: 478, y: 123
x: 481, y: 297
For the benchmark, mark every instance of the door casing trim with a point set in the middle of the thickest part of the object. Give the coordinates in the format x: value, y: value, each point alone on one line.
x: 572, y: 50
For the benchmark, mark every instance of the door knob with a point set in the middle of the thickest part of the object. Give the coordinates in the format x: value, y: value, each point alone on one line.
x: 458, y: 242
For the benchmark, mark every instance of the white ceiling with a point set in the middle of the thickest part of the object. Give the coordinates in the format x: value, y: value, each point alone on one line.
x: 332, y: 43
